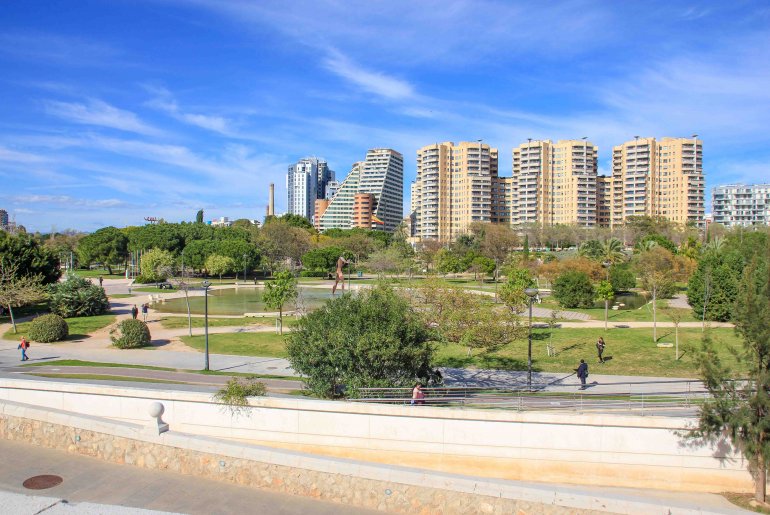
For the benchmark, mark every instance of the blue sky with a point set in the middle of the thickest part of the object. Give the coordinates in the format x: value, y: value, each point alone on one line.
x: 111, y: 111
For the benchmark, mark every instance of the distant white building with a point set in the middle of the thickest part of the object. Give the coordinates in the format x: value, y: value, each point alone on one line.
x: 741, y: 205
x: 370, y: 197
x: 306, y: 181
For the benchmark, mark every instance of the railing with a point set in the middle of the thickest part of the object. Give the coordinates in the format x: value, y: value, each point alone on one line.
x: 672, y: 398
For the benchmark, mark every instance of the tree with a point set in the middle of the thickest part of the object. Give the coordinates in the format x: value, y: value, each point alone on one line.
x: 279, y: 241
x: 156, y: 236
x: 324, y: 259
x: 385, y: 261
x: 17, y: 290
x: 108, y: 246
x: 27, y: 257
x: 622, y: 277
x: 740, y: 409
x: 372, y: 339
x: 466, y: 318
x: 199, y: 217
x: 279, y: 291
x: 512, y: 292
x: 219, y: 265
x: 296, y: 221
x: 676, y: 317
x: 605, y: 292
x: 446, y: 262
x: 427, y: 250
x: 656, y: 269
x: 482, y: 265
x: 77, y: 297
x: 497, y: 242
x: 573, y: 289
x: 156, y: 265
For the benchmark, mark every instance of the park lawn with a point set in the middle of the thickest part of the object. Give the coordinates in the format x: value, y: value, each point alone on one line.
x: 121, y: 295
x: 79, y: 327
x: 632, y: 350
x: 80, y: 363
x: 199, y: 322
x: 266, y: 344
x: 643, y: 314
x: 93, y: 274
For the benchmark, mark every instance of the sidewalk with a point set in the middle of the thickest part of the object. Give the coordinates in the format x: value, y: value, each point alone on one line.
x: 126, y: 489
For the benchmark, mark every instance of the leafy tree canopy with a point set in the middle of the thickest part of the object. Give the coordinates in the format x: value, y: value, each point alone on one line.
x: 573, y: 289
x: 371, y: 339
x: 28, y: 258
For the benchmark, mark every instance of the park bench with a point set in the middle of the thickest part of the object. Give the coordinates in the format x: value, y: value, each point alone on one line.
x: 165, y: 286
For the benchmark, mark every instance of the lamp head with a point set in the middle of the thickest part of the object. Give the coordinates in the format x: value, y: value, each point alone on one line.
x: 206, y: 284
x: 531, y: 292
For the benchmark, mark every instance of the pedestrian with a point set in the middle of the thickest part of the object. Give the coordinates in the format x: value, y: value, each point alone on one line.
x: 600, y: 348
x: 134, y: 312
x: 582, y: 373
x: 418, y: 395
x: 145, y: 308
x: 24, y: 345
x: 101, y: 280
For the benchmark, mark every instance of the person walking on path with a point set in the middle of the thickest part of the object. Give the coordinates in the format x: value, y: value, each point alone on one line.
x: 340, y: 276
x: 582, y: 373
x: 24, y: 345
x: 145, y: 308
x: 600, y: 348
x: 101, y: 280
x: 134, y: 312
x: 418, y: 395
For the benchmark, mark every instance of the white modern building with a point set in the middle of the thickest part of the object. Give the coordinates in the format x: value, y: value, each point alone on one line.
x: 382, y: 176
x: 741, y: 205
x: 307, y: 181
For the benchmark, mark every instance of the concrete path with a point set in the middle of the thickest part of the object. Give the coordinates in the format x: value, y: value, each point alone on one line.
x: 123, y: 489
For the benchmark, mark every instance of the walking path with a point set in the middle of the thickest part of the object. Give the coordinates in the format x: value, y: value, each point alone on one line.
x: 124, y: 489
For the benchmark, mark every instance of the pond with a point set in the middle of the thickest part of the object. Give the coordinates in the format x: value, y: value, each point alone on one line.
x: 237, y: 301
x: 629, y: 300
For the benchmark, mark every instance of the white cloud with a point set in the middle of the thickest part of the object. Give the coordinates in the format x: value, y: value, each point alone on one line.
x: 6, y: 154
x: 370, y: 81
x: 67, y: 201
x: 165, y: 101
x: 99, y: 113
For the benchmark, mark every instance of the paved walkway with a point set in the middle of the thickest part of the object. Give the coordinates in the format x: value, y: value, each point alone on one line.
x: 89, y: 480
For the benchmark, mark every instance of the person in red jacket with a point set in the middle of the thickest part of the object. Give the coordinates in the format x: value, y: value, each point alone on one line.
x: 24, y: 345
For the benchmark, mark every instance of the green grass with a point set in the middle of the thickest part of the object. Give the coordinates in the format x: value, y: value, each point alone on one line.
x: 241, y: 344
x: 632, y: 350
x: 93, y: 274
x: 121, y: 295
x: 79, y: 363
x: 99, y: 377
x: 79, y: 327
x: 643, y: 314
x: 198, y: 322
x: 152, y: 289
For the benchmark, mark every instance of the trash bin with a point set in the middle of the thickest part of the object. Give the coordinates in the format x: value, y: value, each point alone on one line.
x: 360, y: 273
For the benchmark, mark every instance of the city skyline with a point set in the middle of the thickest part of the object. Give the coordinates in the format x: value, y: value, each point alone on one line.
x: 201, y: 105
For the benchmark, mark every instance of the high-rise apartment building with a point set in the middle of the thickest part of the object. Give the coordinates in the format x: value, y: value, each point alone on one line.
x: 3, y: 219
x: 307, y: 181
x: 741, y: 205
x: 658, y: 178
x: 453, y: 188
x: 382, y: 176
x: 554, y: 183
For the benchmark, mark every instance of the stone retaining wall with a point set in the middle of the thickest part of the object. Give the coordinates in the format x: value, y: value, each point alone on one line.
x: 168, y: 453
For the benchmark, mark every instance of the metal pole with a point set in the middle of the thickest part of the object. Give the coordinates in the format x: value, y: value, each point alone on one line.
x: 206, y: 321
x: 529, y: 349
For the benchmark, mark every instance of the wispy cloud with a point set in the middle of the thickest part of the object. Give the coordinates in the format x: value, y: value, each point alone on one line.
x: 368, y: 80
x: 67, y: 201
x: 6, y: 154
x: 70, y: 51
x: 165, y: 101
x: 99, y: 113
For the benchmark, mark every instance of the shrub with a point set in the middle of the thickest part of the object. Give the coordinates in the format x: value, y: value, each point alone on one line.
x: 130, y: 334
x: 235, y: 394
x: 573, y: 289
x: 78, y: 297
x: 314, y: 273
x: 156, y: 265
x: 622, y: 277
x: 372, y: 339
x: 48, y: 328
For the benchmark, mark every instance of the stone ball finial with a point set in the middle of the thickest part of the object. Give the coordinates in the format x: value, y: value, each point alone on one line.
x: 156, y: 410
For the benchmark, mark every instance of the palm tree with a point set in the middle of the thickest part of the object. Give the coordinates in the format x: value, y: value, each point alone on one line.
x: 611, y: 253
x: 716, y: 245
x: 644, y: 246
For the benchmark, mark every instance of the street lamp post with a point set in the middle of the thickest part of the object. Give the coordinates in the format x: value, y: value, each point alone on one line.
x: 245, y: 257
x: 206, y: 285
x: 531, y: 293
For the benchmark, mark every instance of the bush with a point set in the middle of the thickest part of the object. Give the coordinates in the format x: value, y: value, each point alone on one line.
x: 156, y: 265
x: 574, y: 290
x: 130, y: 334
x: 48, y: 328
x: 622, y: 277
x: 372, y: 339
x: 314, y: 273
x: 235, y: 394
x: 78, y: 297
x: 140, y: 279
